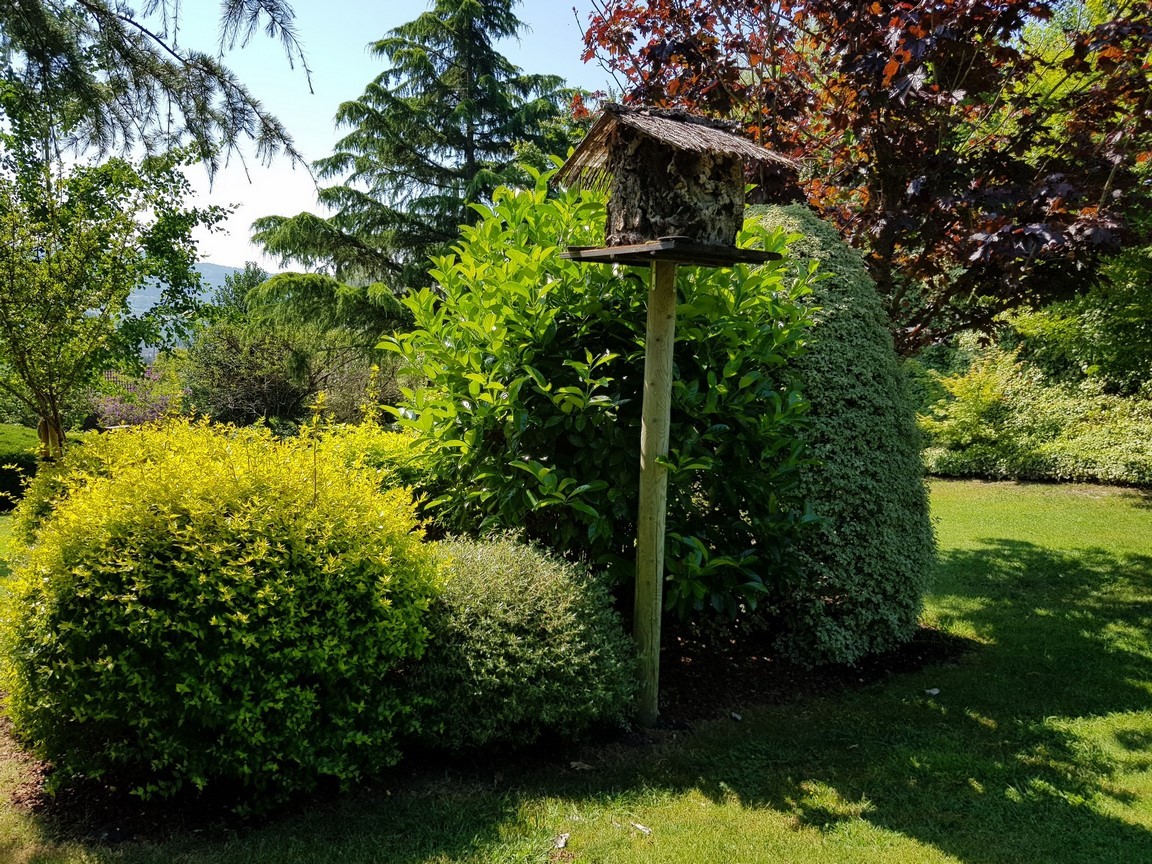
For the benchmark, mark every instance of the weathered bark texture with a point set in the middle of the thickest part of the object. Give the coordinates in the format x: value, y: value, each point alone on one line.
x: 659, y: 191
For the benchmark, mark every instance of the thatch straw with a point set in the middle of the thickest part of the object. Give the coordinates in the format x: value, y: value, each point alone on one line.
x: 587, y: 167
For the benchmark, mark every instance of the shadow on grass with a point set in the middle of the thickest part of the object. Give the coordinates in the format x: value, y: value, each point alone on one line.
x: 990, y: 769
x: 1008, y: 763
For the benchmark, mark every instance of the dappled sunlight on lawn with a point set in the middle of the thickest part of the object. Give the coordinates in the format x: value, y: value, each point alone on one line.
x: 1015, y: 758
x: 1034, y: 745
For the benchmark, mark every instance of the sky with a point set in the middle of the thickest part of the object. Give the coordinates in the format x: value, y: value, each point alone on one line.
x: 335, y: 34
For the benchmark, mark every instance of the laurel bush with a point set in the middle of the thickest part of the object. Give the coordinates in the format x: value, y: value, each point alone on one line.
x: 208, y: 605
x: 531, y: 411
x: 859, y: 577
x: 524, y: 644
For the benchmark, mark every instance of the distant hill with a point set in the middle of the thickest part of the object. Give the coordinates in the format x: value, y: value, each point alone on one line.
x: 213, y: 275
x: 147, y: 296
x: 211, y: 278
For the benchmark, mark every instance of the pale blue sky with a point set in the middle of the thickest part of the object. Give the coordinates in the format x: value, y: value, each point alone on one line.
x: 335, y: 35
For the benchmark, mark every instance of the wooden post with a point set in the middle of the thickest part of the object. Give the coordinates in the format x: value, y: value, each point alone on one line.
x: 656, y: 418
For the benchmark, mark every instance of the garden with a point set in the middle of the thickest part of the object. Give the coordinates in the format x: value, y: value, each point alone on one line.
x: 1023, y: 737
x: 681, y: 500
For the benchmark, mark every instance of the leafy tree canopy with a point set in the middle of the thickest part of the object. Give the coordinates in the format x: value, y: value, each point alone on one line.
x: 268, y: 346
x: 361, y: 315
x: 438, y: 130
x: 73, y: 245
x: 113, y: 74
x: 979, y: 160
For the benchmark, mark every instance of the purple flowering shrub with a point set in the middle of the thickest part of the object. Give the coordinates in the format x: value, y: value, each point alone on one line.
x: 126, y: 400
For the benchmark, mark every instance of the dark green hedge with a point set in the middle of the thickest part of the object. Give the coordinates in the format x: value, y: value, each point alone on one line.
x: 860, y: 573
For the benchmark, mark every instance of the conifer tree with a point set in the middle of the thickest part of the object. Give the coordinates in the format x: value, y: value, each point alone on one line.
x: 108, y: 74
x: 438, y: 129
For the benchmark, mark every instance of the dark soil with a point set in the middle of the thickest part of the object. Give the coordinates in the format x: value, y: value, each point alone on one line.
x: 699, y: 682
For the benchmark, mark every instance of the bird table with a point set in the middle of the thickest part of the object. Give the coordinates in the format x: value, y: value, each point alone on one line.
x: 663, y: 256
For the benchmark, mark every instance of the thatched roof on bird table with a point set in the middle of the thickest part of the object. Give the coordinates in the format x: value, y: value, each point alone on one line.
x: 588, y: 165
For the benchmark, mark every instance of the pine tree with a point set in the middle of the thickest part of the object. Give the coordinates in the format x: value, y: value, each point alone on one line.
x: 440, y: 128
x: 108, y: 74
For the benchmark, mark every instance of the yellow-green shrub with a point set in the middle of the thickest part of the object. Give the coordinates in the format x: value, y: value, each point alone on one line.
x: 522, y: 643
x: 88, y: 456
x: 219, y: 606
x: 395, y: 457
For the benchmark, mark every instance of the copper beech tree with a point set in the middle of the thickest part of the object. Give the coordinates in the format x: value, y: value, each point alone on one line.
x: 981, y: 155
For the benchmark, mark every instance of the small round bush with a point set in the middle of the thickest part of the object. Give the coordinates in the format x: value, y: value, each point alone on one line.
x: 861, y: 572
x: 522, y: 643
x: 224, y: 608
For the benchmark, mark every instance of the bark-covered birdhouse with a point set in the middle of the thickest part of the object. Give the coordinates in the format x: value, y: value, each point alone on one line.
x: 669, y: 174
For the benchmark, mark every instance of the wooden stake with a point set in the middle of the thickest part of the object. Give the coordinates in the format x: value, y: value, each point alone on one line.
x: 656, y: 418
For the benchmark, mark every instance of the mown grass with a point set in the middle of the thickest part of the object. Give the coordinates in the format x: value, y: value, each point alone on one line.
x: 18, y: 446
x: 1036, y: 746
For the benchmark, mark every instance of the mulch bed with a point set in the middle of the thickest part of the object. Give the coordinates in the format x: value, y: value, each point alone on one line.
x: 699, y: 683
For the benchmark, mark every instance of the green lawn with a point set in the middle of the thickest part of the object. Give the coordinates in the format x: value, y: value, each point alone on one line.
x: 1035, y: 747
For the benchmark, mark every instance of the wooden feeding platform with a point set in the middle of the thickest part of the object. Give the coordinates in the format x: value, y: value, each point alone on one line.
x: 678, y: 250
x: 676, y: 196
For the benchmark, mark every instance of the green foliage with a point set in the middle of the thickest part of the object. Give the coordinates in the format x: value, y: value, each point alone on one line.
x: 55, y: 481
x: 320, y: 303
x: 268, y: 346
x: 395, y: 457
x: 531, y: 412
x: 18, y: 462
x: 1002, y: 419
x: 111, y: 72
x: 214, y: 606
x: 859, y: 577
x: 230, y: 300
x: 438, y: 129
x: 234, y: 373
x: 523, y: 643
x: 1105, y: 336
x: 13, y: 412
x: 73, y: 245
x: 334, y: 330
x: 981, y: 401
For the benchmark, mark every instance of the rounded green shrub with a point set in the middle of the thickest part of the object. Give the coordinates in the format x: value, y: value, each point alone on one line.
x: 522, y: 643
x: 211, y: 605
x: 860, y: 573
